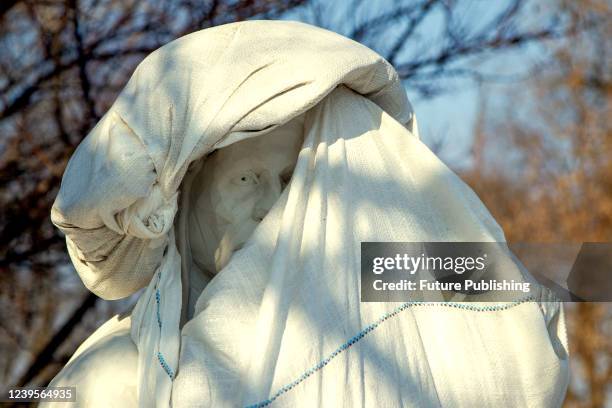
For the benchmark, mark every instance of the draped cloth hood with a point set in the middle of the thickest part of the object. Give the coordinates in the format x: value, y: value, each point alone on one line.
x: 284, y: 319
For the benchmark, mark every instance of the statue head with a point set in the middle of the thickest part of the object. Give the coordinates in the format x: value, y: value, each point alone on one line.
x: 236, y: 188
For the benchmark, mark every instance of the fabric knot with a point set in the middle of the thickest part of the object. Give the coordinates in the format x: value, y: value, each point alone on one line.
x: 150, y: 217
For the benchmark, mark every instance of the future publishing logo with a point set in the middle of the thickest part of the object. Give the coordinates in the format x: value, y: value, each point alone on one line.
x: 467, y: 285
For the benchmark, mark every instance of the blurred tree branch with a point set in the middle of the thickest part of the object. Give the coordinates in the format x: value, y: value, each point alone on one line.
x: 6, y: 5
x: 43, y: 357
x: 557, y: 187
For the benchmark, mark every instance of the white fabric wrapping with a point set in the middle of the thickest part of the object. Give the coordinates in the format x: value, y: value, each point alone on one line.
x: 289, y: 300
x: 290, y: 297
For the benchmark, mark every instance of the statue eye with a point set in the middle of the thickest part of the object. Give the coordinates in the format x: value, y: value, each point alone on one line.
x: 246, y: 179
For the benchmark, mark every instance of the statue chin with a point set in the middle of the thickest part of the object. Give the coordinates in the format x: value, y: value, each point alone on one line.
x: 223, y: 253
x: 233, y: 239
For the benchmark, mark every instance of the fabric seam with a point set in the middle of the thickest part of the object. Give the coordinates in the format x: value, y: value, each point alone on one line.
x: 371, y: 327
x: 160, y: 356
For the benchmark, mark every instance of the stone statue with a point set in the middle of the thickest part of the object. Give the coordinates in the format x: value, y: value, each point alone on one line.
x: 234, y: 179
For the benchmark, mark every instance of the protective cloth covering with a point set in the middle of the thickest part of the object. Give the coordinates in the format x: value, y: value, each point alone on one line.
x: 292, y: 293
x: 283, y: 322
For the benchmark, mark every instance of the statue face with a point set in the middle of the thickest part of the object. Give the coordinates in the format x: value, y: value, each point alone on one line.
x: 240, y: 183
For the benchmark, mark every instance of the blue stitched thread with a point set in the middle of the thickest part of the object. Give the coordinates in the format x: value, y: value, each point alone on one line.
x: 157, y: 299
x: 160, y: 357
x: 373, y: 326
x: 165, y: 365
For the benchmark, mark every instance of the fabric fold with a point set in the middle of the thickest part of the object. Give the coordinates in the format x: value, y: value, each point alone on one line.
x: 292, y: 293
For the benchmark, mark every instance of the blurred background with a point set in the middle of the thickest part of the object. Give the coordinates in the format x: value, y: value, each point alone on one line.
x: 515, y: 96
